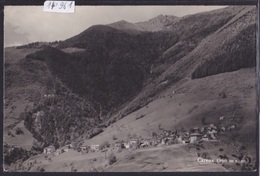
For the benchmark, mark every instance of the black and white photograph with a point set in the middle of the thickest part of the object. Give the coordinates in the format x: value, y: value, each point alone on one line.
x: 130, y: 89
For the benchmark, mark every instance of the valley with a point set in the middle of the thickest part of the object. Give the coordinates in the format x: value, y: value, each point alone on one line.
x: 154, y: 96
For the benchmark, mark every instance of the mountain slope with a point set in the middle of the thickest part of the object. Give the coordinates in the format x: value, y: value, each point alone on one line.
x: 116, y: 64
x: 121, y: 77
x: 207, y: 51
x: 196, y: 103
x: 175, y: 111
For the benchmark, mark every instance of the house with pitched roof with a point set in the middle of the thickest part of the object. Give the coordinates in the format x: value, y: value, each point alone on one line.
x: 134, y: 143
x: 49, y: 150
x: 94, y: 148
x: 195, y: 137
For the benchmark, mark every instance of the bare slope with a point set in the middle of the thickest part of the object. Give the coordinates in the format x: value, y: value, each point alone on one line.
x: 162, y: 159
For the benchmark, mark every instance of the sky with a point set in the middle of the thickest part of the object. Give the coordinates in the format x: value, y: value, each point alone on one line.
x: 26, y: 24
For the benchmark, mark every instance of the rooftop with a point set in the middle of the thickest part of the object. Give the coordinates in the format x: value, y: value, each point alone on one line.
x: 195, y: 134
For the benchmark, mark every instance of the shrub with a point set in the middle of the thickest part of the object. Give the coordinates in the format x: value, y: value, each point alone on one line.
x: 16, y: 154
x: 18, y: 131
x: 40, y: 169
x: 139, y: 116
x: 223, y: 94
x: 98, y: 169
x: 247, y: 167
x: 13, y: 107
x: 114, y: 137
x: 111, y: 158
x: 72, y: 169
x: 242, y: 148
x: 205, y: 155
x: 221, y: 149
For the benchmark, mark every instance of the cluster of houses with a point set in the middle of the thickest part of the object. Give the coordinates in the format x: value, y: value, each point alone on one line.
x: 51, y: 149
x: 207, y: 133
x: 131, y: 144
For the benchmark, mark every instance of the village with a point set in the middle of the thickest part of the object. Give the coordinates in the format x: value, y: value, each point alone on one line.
x: 208, y: 133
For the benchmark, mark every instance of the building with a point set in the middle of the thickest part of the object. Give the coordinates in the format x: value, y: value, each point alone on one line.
x: 69, y: 146
x: 205, y: 138
x: 212, y: 131
x: 58, y: 152
x: 203, y: 129
x: 94, y: 148
x: 185, y: 140
x: 127, y: 145
x: 179, y: 138
x: 212, y: 126
x: 145, y: 144
x: 134, y: 143
x: 118, y: 146
x: 212, y: 136
x: 195, y: 137
x: 222, y: 129
x: 166, y: 133
x: 65, y: 149
x: 196, y: 129
x: 154, y: 142
x: 163, y: 141
x: 231, y: 127
x: 83, y: 149
x: 170, y: 140
x: 49, y: 150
